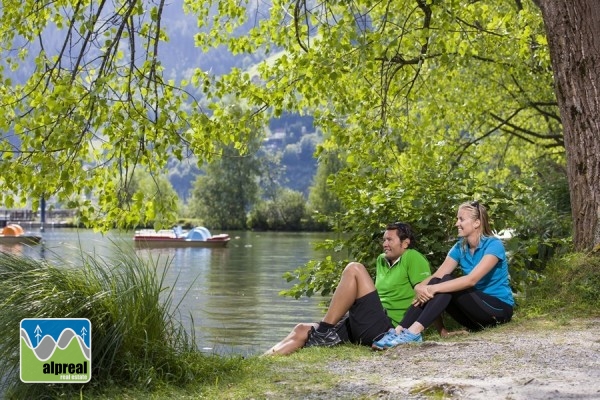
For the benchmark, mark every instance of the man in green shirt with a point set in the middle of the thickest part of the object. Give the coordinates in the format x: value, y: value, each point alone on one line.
x: 394, y: 281
x: 362, y: 311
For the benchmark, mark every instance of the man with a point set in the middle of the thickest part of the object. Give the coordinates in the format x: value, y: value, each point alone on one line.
x: 361, y: 310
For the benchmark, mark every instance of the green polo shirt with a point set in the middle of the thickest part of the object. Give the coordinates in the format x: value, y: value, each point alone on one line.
x: 395, y: 283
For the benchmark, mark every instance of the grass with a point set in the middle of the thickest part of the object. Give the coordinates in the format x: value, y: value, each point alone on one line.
x: 137, y: 339
x: 571, y: 288
x: 141, y: 351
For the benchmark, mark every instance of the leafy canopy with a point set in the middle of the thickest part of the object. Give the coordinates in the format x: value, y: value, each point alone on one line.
x: 430, y: 102
x: 84, y: 103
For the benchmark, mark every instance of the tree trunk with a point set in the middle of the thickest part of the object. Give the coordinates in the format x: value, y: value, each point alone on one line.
x: 573, y: 31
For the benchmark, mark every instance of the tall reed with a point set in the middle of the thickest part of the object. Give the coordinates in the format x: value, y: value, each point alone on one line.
x: 137, y: 337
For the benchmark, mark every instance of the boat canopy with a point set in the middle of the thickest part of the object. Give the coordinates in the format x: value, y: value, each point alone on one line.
x: 13, y: 230
x: 198, y: 233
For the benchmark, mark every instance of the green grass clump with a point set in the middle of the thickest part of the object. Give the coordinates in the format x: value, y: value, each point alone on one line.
x: 571, y: 288
x: 138, y: 340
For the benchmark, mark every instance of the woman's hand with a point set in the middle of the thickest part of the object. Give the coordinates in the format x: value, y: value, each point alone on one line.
x: 423, y: 294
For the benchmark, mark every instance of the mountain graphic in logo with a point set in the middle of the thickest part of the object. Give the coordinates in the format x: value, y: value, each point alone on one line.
x: 55, y: 350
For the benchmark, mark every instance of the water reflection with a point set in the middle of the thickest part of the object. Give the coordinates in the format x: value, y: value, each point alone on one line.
x: 232, y: 293
x: 13, y: 248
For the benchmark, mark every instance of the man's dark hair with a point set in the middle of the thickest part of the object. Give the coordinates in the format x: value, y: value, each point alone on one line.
x: 404, y: 231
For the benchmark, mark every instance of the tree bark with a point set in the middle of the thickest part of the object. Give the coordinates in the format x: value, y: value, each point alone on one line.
x: 573, y: 32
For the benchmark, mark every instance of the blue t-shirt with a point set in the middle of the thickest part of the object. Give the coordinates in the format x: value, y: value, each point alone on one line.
x: 494, y: 283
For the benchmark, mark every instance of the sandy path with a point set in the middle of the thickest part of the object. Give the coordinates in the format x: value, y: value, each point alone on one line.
x: 528, y: 363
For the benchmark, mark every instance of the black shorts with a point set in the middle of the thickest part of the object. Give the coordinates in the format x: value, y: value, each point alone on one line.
x: 365, y: 321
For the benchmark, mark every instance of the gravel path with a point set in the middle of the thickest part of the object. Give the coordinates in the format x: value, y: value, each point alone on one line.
x: 516, y: 363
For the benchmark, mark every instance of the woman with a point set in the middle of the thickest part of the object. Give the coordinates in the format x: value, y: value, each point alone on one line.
x: 361, y: 310
x: 480, y: 297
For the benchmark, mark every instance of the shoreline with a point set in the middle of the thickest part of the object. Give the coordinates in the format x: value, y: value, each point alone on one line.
x: 28, y: 225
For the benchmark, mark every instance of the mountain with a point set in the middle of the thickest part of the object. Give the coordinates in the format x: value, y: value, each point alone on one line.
x: 291, y: 135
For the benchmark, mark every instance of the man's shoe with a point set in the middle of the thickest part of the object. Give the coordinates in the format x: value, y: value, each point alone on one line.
x: 382, y: 343
x: 328, y: 338
x: 405, y: 337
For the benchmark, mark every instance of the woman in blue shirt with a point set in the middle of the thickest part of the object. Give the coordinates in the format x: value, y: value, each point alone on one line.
x: 480, y: 297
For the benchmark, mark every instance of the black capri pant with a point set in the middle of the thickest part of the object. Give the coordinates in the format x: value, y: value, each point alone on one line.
x: 471, y: 308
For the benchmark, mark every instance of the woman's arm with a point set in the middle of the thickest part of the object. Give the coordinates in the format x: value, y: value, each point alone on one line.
x: 446, y: 268
x: 467, y: 281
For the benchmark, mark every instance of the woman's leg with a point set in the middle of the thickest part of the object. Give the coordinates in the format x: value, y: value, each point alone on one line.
x: 463, y: 319
x: 476, y: 310
x: 428, y: 313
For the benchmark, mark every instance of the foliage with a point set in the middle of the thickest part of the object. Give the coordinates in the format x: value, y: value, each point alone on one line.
x: 373, y: 76
x: 300, y: 155
x: 84, y: 103
x: 160, y: 191
x: 223, y: 197
x: 271, y: 179
x: 181, y: 175
x: 535, y: 207
x: 321, y: 199
x: 138, y: 340
x: 427, y: 199
x: 430, y: 103
x: 542, y: 224
x: 285, y: 212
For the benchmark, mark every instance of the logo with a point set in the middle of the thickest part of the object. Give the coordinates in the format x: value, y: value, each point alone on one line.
x: 56, y: 350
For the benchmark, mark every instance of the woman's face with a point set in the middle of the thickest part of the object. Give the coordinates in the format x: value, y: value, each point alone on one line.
x: 465, y: 223
x: 393, y: 247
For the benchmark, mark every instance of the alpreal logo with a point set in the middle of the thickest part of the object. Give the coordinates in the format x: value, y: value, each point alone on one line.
x: 56, y: 350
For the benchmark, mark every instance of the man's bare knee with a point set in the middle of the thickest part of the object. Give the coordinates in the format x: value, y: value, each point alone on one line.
x: 354, y: 268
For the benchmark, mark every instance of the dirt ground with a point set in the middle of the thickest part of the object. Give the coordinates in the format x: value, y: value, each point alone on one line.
x: 532, y: 362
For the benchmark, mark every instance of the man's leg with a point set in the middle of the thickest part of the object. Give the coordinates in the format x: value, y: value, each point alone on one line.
x: 293, y: 341
x: 354, y: 283
x: 368, y: 320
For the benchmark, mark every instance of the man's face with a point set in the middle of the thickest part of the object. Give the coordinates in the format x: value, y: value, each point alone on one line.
x: 393, y: 247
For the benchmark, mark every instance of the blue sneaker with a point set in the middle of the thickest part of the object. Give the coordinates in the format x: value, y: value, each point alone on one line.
x: 382, y: 343
x: 405, y: 337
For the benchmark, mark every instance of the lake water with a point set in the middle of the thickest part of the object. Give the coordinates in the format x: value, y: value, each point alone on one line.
x: 231, y: 293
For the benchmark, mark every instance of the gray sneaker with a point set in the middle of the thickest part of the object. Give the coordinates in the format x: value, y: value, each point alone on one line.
x: 316, y: 338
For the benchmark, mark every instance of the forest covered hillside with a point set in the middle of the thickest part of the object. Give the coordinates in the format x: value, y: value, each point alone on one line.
x: 291, y: 136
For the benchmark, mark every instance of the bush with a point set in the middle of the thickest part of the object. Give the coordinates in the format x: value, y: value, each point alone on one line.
x: 543, y: 225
